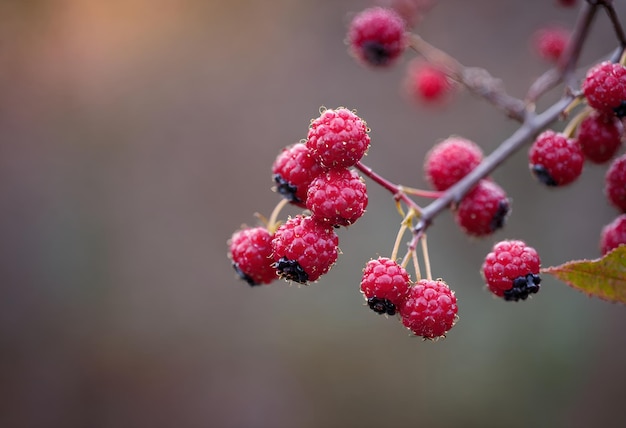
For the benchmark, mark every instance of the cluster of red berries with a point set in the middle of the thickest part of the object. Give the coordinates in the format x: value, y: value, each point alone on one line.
x: 427, y: 308
x: 557, y: 160
x: 317, y: 175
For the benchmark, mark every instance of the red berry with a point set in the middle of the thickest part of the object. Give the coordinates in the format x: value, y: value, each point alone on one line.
x: 337, y: 197
x: 385, y: 285
x: 426, y: 82
x: 511, y: 270
x: 430, y: 309
x: 615, y: 183
x: 605, y: 88
x: 250, y: 251
x: 600, y: 137
x: 338, y: 138
x: 483, y: 210
x: 550, y: 42
x: 377, y: 36
x: 304, y: 249
x: 293, y: 171
x: 613, y: 234
x: 555, y: 160
x: 451, y: 160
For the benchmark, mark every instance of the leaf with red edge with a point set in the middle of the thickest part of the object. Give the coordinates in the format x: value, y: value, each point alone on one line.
x: 604, y: 277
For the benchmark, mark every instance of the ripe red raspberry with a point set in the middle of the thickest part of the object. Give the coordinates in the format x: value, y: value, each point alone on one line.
x: 377, y: 36
x: 385, y: 285
x: 337, y: 197
x: 605, y: 88
x: 338, y: 138
x: 600, y: 137
x: 555, y: 160
x: 430, y: 309
x: 250, y: 251
x: 293, y: 170
x: 550, y: 42
x: 483, y: 210
x: 613, y: 234
x: 426, y: 82
x: 304, y: 249
x: 511, y: 270
x: 615, y: 183
x: 451, y: 160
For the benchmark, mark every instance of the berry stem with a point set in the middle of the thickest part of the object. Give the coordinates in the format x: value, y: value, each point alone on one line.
x: 272, y: 223
x: 617, y: 26
x: 430, y: 194
x: 396, y: 190
x: 429, y: 275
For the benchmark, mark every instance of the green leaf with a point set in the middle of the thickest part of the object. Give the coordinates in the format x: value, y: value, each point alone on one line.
x: 604, y: 278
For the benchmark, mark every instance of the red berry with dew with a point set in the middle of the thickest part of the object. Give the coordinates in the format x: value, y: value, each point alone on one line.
x: 605, y: 88
x: 337, y: 197
x: 427, y: 83
x: 385, y: 285
x: 338, y: 138
x: 293, y: 170
x: 304, y: 249
x: 450, y: 160
x: 615, y: 183
x: 613, y: 234
x: 600, y: 137
x: 250, y: 251
x: 430, y: 309
x: 550, y: 42
x: 555, y: 160
x: 377, y: 36
x: 483, y: 210
x: 511, y: 270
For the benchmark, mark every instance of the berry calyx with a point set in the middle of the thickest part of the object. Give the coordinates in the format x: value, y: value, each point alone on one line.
x: 451, y: 160
x: 600, y: 137
x: 430, y: 309
x: 250, y: 251
x: 615, y: 183
x: 337, y: 197
x: 304, y: 249
x: 554, y: 159
x: 338, y: 138
x: 483, y: 210
x: 605, y: 88
x: 511, y: 270
x: 293, y: 170
x: 426, y: 82
x: 385, y: 285
x: 613, y: 234
x: 377, y: 36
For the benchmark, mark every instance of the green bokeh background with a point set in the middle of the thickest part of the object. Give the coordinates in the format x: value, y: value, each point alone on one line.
x: 137, y: 135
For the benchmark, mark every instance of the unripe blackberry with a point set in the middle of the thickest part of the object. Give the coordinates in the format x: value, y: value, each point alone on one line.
x: 377, y: 36
x: 337, y: 197
x: 250, y: 251
x: 483, y: 210
x: 554, y: 159
x: 451, y: 160
x: 600, y: 137
x: 613, y: 234
x: 615, y: 183
x: 304, y: 249
x: 430, y: 309
x: 511, y: 270
x: 385, y: 285
x: 338, y: 138
x: 293, y: 170
x: 605, y: 88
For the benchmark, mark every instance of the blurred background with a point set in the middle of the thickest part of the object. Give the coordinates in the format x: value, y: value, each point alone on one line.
x: 137, y: 135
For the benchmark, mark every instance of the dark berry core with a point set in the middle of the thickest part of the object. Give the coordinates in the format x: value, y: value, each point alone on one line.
x: 500, y: 216
x: 543, y: 175
x: 291, y: 270
x: 375, y: 53
x: 381, y: 306
x: 286, y: 189
x: 620, y: 110
x: 523, y: 286
x: 245, y: 276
